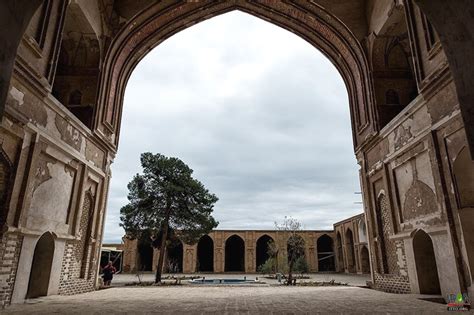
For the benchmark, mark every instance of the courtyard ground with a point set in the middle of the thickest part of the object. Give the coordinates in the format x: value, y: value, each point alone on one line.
x: 204, y: 299
x: 351, y: 279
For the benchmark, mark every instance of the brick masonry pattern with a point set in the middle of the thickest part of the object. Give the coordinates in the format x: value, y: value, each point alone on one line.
x: 10, y: 246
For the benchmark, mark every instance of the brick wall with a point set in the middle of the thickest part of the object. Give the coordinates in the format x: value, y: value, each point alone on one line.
x: 10, y: 247
x: 78, y: 268
x: 392, y: 283
x: 70, y: 281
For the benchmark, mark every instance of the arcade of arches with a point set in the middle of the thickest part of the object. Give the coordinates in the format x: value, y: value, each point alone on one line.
x: 245, y: 250
x: 238, y: 251
x: 408, y: 71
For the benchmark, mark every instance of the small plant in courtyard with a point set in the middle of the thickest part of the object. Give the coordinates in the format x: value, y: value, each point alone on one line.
x: 268, y: 267
x: 295, y: 243
x: 164, y: 199
x: 301, y: 265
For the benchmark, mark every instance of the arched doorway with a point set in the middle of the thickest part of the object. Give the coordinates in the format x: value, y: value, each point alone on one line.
x: 41, y: 266
x: 425, y: 261
x: 174, y: 254
x: 351, y: 264
x: 325, y: 253
x: 362, y: 231
x: 235, y: 254
x: 364, y: 260
x: 145, y: 256
x: 205, y: 254
x: 262, y: 250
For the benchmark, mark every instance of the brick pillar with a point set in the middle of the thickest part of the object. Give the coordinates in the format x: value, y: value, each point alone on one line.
x: 189, y: 258
x: 219, y: 259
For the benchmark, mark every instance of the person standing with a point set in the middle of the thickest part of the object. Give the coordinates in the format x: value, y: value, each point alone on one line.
x: 108, y: 273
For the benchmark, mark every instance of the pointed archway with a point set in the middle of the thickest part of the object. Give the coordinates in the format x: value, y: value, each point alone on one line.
x: 351, y: 263
x: 41, y: 266
x: 364, y: 260
x: 145, y: 256
x: 262, y: 250
x: 174, y: 254
x: 205, y: 254
x: 235, y: 254
x: 325, y: 254
x: 425, y: 261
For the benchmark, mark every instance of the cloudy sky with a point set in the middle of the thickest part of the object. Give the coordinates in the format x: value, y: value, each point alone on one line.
x: 260, y: 115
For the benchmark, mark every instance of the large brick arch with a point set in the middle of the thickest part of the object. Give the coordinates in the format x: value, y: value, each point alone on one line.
x: 452, y: 19
x: 308, y: 20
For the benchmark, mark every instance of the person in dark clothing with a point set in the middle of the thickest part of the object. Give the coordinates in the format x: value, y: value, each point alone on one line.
x: 108, y: 273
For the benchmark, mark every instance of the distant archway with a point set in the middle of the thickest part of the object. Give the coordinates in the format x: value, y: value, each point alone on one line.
x: 364, y: 260
x: 145, y: 256
x: 174, y: 254
x: 425, y: 261
x: 41, y: 266
x: 325, y: 253
x: 262, y: 250
x: 351, y: 265
x: 235, y: 254
x: 205, y: 254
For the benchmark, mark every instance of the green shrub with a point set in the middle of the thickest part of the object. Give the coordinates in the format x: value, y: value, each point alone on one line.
x: 301, y: 265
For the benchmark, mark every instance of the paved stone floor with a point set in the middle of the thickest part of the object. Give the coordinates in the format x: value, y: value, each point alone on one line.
x: 205, y: 299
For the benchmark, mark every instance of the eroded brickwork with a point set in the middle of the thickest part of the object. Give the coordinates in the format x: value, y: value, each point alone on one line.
x: 392, y: 283
x: 390, y: 250
x: 70, y: 281
x: 77, y: 271
x: 10, y: 245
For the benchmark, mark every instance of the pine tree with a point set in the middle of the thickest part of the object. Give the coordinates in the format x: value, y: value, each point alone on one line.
x: 167, y: 198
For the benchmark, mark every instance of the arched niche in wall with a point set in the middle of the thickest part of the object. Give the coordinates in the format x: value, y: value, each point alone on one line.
x: 425, y: 261
x: 351, y: 263
x: 364, y: 260
x: 41, y: 266
x: 362, y: 231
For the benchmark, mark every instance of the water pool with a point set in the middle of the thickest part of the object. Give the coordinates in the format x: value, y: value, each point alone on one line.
x: 223, y: 281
